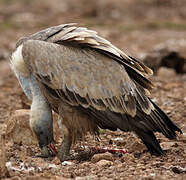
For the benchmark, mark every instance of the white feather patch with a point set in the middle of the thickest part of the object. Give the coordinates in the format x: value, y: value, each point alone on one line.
x: 17, y: 63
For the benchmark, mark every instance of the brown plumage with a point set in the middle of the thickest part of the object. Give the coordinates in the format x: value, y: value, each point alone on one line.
x: 91, y: 84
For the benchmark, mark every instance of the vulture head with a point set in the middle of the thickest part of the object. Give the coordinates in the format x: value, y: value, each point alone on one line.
x: 91, y: 84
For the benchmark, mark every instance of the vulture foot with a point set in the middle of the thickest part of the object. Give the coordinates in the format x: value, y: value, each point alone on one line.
x: 65, y: 157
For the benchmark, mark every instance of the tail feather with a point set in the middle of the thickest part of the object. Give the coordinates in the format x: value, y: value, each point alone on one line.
x: 170, y: 125
x: 149, y: 139
x: 144, y: 125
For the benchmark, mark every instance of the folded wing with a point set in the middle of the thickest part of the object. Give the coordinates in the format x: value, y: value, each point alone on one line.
x: 77, y: 60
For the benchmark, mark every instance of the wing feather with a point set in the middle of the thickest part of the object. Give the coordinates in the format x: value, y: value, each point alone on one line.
x: 86, y: 69
x: 78, y: 35
x: 91, y: 39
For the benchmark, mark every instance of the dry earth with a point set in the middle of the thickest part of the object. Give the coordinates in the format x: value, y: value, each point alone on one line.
x: 136, y: 26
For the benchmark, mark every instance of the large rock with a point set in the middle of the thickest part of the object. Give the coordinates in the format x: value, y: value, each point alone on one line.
x: 3, y: 169
x: 18, y: 128
x: 170, y: 54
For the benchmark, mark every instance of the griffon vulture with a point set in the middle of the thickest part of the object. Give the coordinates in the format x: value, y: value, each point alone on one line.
x: 90, y: 83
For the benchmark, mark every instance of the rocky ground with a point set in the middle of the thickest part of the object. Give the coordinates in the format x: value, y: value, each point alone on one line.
x: 149, y: 30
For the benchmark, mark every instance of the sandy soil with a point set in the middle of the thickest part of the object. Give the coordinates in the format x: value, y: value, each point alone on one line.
x: 134, y: 26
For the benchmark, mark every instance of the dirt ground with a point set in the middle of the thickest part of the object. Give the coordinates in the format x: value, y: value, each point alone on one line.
x: 136, y: 27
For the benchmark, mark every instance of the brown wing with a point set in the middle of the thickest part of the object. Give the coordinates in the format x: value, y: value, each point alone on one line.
x: 87, y: 69
x: 70, y: 34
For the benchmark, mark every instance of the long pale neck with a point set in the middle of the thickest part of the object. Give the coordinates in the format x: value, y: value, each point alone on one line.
x: 41, y: 114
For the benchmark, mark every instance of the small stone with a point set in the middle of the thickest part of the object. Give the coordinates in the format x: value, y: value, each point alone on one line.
x: 103, y: 156
x: 65, y: 163
x: 119, y: 165
x: 104, y: 162
x: 52, y: 166
x: 168, y: 145
x: 178, y: 169
x: 56, y: 161
x: 118, y: 139
x: 137, y: 147
x: 109, y: 136
x: 127, y: 158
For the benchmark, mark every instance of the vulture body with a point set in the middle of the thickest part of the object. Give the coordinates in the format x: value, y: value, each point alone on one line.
x: 90, y: 83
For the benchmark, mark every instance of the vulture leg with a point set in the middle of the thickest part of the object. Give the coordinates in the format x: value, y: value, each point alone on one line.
x: 64, y: 150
